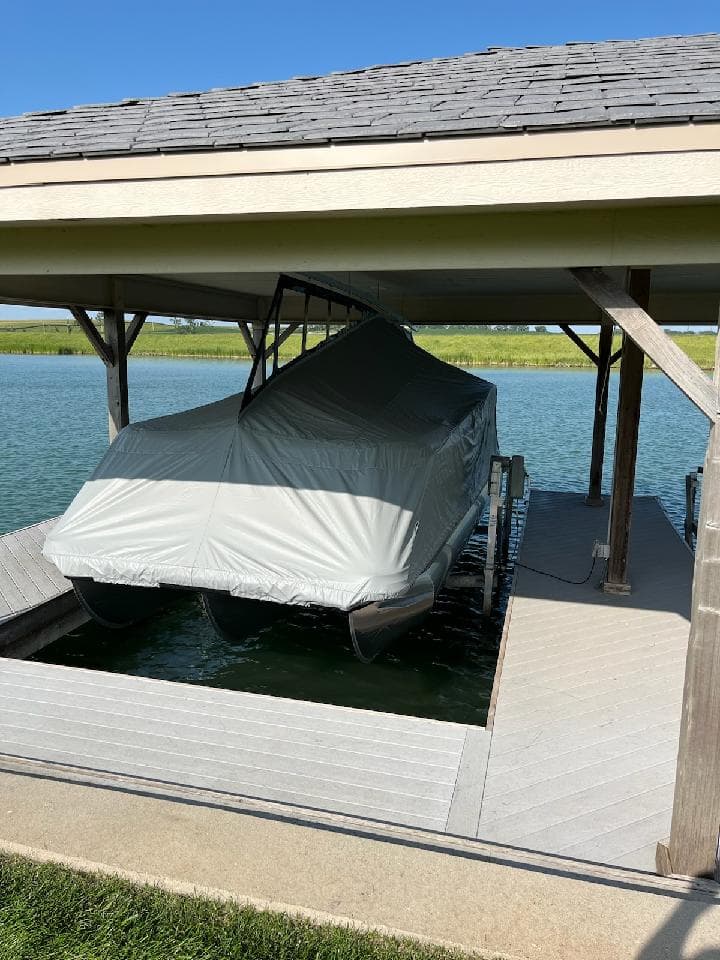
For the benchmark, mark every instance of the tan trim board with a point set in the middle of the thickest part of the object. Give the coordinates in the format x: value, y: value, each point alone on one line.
x: 649, y: 178
x: 446, y: 150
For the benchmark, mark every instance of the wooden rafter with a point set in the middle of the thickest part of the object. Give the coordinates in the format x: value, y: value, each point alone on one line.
x: 620, y: 307
x: 579, y: 342
x: 133, y: 330
x: 93, y: 335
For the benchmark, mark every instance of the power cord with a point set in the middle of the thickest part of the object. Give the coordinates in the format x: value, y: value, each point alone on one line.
x: 554, y: 576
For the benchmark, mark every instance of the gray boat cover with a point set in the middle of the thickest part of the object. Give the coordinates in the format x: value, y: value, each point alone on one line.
x: 337, y: 485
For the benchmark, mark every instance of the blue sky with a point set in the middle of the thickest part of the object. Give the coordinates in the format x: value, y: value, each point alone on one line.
x: 59, y: 54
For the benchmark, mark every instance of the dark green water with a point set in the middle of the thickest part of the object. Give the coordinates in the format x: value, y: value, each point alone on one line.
x: 53, y: 432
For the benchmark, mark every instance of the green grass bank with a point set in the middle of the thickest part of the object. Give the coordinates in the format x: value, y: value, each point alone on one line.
x: 48, y: 912
x: 464, y: 349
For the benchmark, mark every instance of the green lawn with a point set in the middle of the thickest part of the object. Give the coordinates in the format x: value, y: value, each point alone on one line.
x: 51, y: 913
x: 465, y: 349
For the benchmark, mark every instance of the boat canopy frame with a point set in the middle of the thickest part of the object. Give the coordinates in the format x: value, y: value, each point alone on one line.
x: 329, y: 291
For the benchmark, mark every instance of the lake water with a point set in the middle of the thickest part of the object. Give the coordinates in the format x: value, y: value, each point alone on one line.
x: 53, y: 430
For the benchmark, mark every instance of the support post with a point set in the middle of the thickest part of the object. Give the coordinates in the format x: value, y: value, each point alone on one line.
x: 247, y: 338
x: 257, y: 336
x: 693, y: 846
x: 626, y: 440
x: 602, y: 381
x: 117, y: 386
x: 306, y: 310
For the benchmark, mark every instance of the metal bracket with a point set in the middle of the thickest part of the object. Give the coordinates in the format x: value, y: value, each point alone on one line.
x: 506, y: 484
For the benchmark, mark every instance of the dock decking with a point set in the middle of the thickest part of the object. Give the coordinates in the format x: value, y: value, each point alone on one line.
x: 37, y: 604
x: 372, y: 765
x: 585, y: 734
x: 580, y: 759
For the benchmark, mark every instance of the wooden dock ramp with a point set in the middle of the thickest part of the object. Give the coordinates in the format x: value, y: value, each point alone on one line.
x: 37, y: 604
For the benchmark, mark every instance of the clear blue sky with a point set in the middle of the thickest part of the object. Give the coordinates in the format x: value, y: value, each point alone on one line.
x: 58, y: 53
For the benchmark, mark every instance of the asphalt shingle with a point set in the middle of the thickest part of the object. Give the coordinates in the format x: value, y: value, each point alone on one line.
x: 660, y: 80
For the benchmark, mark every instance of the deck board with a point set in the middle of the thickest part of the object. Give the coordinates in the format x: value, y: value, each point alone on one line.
x: 379, y: 766
x: 584, y: 742
x: 27, y: 579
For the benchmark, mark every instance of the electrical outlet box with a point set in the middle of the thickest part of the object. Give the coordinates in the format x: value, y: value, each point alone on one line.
x: 601, y: 550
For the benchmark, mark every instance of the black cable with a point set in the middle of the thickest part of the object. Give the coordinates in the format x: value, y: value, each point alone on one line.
x: 554, y: 576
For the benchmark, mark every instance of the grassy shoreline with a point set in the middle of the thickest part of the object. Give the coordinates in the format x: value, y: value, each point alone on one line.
x: 478, y: 350
x: 48, y: 912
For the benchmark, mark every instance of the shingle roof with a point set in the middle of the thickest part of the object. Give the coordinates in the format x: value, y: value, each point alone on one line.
x: 654, y: 81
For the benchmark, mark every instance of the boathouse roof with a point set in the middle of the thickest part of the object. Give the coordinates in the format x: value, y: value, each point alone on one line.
x: 663, y: 80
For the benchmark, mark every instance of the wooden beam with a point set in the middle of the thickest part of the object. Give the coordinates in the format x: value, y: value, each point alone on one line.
x: 693, y: 846
x: 602, y: 380
x: 117, y: 387
x: 615, y: 356
x: 626, y: 441
x: 154, y: 295
x: 633, y: 318
x: 247, y: 337
x: 303, y: 337
x: 513, y: 306
x: 93, y: 334
x: 579, y: 342
x: 133, y: 330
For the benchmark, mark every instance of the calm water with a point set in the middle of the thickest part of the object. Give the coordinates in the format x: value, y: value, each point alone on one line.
x: 53, y: 431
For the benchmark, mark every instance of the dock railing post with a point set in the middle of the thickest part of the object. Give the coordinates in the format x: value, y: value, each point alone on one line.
x: 693, y: 846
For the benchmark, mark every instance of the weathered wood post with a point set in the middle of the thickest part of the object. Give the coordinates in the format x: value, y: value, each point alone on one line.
x: 257, y: 335
x: 116, y: 370
x: 626, y: 441
x: 693, y: 846
x: 594, y: 494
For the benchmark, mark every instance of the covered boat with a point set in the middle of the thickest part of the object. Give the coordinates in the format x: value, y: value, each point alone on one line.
x: 351, y: 480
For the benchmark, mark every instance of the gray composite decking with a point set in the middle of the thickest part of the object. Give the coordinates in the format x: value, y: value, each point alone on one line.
x: 585, y: 734
x: 373, y: 765
x: 27, y: 579
x: 580, y: 760
x: 37, y: 604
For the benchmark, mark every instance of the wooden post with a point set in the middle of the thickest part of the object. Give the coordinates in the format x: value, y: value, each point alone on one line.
x: 594, y: 495
x: 117, y: 387
x: 257, y: 335
x: 628, y: 422
x: 693, y: 846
